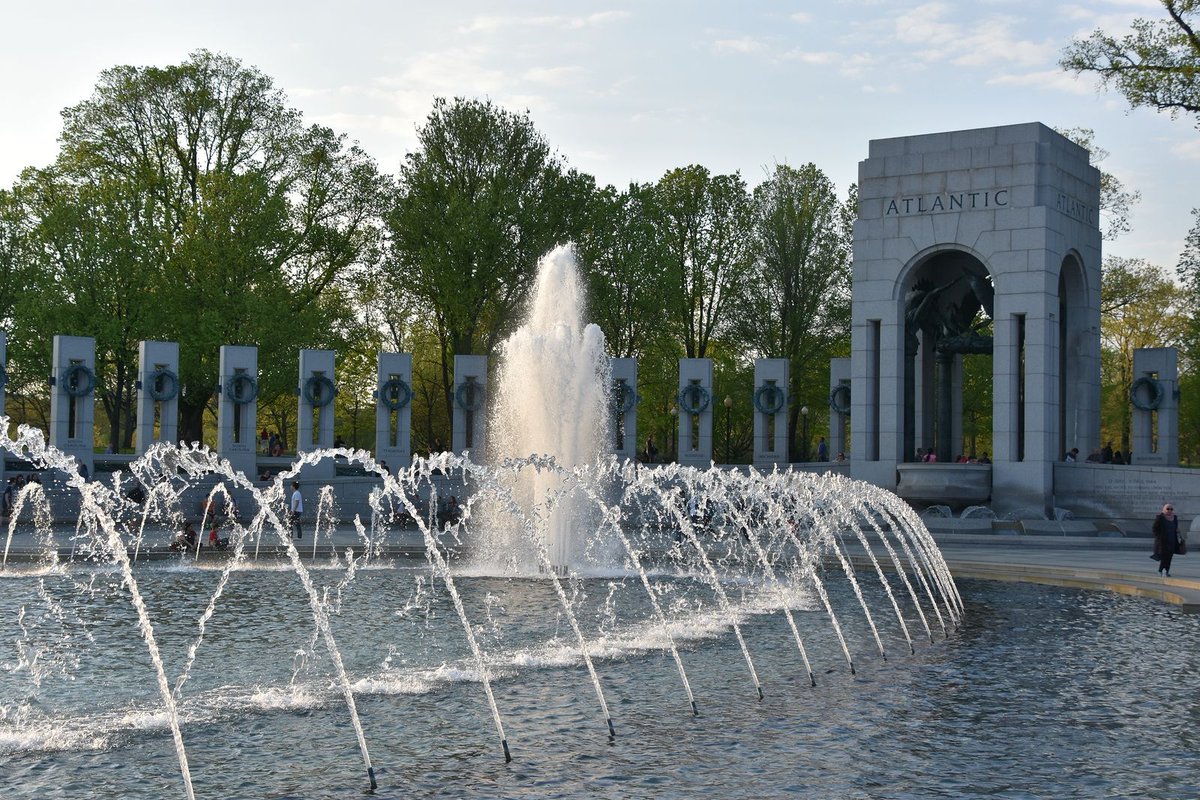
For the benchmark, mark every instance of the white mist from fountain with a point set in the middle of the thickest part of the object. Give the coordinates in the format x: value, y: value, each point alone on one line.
x: 551, y: 399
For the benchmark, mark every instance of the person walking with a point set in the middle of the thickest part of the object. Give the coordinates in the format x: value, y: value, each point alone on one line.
x: 295, y: 509
x: 1166, y: 538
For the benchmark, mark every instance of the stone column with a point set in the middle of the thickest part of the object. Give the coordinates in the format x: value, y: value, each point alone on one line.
x: 770, y: 401
x: 157, y: 394
x: 393, y: 410
x: 839, y: 407
x: 625, y: 403
x: 695, y: 404
x: 314, y: 410
x: 73, y: 398
x: 945, y: 407
x: 237, y: 408
x: 470, y: 406
x: 1155, y: 396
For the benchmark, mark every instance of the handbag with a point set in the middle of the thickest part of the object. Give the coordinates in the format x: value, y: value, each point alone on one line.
x: 1181, y: 546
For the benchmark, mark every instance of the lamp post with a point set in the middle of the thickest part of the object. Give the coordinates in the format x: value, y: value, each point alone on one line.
x: 728, y: 408
x: 674, y: 433
x: 804, y: 434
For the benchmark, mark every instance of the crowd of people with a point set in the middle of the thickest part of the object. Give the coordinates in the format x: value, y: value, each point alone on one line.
x: 270, y: 443
x: 1107, y: 455
x: 930, y: 456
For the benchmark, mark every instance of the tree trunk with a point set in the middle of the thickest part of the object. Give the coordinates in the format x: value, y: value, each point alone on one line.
x: 191, y: 421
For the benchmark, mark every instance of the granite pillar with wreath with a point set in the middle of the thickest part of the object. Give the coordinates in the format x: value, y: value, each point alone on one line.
x: 624, y: 407
x: 157, y: 394
x: 393, y: 411
x: 770, y: 412
x: 469, y: 426
x: 237, y: 408
x: 73, y: 399
x: 314, y: 417
x: 1154, y: 394
x: 839, y: 409
x: 694, y: 407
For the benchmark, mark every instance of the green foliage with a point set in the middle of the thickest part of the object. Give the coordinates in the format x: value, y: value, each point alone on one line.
x: 705, y: 223
x: 1156, y: 65
x: 1140, y: 307
x: 797, y: 296
x: 1188, y: 273
x: 195, y: 185
x: 190, y: 203
x: 621, y: 252
x: 480, y: 200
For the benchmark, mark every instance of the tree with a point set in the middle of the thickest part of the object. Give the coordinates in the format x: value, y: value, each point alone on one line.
x: 621, y: 252
x: 797, y: 299
x: 480, y: 200
x: 1188, y: 273
x: 25, y: 386
x: 705, y: 222
x: 241, y: 225
x: 93, y: 265
x: 1157, y: 65
x: 1140, y: 307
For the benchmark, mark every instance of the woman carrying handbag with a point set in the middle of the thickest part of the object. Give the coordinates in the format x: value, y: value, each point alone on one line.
x: 1166, y: 538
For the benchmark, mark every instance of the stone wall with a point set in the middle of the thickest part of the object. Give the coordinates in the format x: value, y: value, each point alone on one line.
x: 1129, y: 496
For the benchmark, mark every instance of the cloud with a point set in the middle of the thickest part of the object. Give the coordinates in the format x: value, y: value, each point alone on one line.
x: 1054, y: 79
x: 742, y: 44
x: 553, y: 76
x: 483, y: 24
x: 987, y: 40
x: 803, y: 17
x: 812, y: 57
x: 1188, y: 149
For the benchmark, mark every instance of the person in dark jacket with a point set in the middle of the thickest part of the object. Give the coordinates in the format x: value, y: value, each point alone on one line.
x: 1166, y: 538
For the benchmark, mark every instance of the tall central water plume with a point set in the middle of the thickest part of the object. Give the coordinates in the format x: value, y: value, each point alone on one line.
x: 550, y: 399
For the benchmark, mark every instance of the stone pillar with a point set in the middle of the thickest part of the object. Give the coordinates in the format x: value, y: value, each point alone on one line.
x: 958, y: 447
x: 393, y: 410
x: 1155, y: 396
x: 470, y: 406
x: 695, y: 404
x: 770, y: 412
x: 237, y: 408
x: 73, y: 398
x: 625, y: 403
x: 839, y: 407
x: 314, y: 410
x: 157, y: 394
x: 945, y: 407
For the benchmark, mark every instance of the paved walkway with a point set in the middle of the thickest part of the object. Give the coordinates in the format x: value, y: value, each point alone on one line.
x: 1118, y: 565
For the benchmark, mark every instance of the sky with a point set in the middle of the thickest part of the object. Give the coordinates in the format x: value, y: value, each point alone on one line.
x: 629, y: 91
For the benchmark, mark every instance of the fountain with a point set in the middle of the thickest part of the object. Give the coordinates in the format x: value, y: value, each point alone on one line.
x: 552, y: 397
x: 563, y: 562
